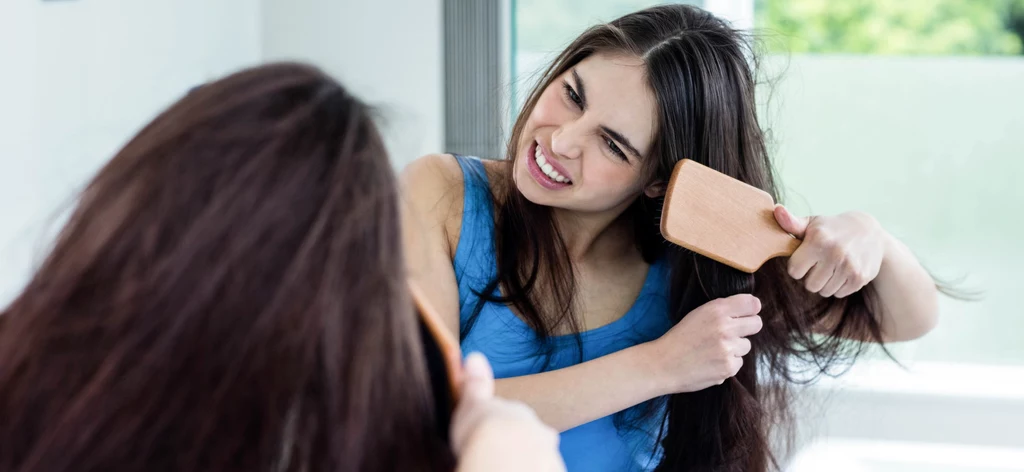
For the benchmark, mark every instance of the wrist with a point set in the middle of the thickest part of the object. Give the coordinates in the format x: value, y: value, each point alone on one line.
x: 651, y: 362
x: 890, y: 248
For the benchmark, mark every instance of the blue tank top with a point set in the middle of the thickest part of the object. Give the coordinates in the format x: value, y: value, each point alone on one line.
x: 513, y: 349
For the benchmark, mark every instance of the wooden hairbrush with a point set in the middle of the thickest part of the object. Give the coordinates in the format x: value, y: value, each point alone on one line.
x: 722, y: 218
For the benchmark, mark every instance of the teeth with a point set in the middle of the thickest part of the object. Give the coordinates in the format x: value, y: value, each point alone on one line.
x: 547, y: 168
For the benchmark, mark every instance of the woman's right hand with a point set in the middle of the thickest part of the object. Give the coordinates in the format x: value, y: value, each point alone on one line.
x: 707, y: 346
x: 493, y: 434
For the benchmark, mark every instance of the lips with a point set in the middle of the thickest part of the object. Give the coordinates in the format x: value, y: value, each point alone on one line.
x: 550, y: 166
x: 545, y: 170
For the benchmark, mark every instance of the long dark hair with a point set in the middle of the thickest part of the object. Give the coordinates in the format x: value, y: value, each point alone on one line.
x: 702, y: 73
x: 228, y: 295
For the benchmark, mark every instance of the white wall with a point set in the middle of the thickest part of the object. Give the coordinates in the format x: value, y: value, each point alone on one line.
x: 79, y: 78
x: 17, y: 195
x: 389, y: 52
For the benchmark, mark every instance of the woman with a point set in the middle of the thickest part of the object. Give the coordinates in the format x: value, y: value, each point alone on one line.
x: 553, y: 260
x: 230, y: 295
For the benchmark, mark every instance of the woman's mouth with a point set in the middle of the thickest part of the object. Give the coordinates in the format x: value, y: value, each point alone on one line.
x: 542, y: 170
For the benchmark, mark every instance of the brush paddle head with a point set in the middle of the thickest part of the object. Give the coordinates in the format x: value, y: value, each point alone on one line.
x: 722, y: 218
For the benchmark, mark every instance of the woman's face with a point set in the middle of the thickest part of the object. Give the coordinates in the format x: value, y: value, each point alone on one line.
x: 583, y: 143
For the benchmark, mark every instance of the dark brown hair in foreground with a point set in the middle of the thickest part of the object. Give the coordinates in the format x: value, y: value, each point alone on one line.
x: 228, y: 295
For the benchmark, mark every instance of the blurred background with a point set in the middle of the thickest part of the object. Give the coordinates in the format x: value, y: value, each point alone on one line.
x: 911, y: 110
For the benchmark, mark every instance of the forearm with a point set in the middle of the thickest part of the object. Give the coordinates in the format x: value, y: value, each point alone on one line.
x: 908, y: 297
x: 572, y: 396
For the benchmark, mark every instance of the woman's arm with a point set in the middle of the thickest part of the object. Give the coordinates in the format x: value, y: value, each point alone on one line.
x: 907, y: 295
x: 431, y: 197
x: 841, y: 254
x: 575, y: 395
x: 704, y: 349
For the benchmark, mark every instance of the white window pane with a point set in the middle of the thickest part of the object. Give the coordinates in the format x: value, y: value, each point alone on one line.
x: 542, y: 28
x: 879, y: 108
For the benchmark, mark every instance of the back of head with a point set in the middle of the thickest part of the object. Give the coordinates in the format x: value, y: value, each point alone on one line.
x: 228, y: 295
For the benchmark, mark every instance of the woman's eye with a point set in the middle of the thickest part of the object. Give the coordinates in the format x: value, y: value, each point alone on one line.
x: 615, y: 148
x: 573, y: 96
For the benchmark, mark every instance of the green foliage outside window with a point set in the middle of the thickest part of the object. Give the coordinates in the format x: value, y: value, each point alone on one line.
x: 906, y: 27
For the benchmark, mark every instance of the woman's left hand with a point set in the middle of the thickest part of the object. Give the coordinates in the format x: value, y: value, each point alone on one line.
x: 838, y: 255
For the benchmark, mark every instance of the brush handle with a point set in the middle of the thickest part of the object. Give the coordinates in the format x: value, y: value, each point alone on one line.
x: 779, y: 242
x: 784, y: 248
x: 766, y: 238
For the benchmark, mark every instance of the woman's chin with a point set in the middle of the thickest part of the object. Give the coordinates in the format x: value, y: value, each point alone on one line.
x: 529, y: 189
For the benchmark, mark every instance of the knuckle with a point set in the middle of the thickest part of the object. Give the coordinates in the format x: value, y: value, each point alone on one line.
x: 755, y: 304
x: 713, y: 308
x: 742, y: 303
x: 814, y: 229
x: 793, y: 272
x: 820, y: 236
x: 827, y: 242
x: 721, y: 328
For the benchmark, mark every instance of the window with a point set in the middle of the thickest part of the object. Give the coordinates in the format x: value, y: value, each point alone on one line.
x: 910, y: 111
x: 542, y: 28
x: 910, y: 27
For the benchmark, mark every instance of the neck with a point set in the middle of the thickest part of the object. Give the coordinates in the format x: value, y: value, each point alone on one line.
x: 594, y: 235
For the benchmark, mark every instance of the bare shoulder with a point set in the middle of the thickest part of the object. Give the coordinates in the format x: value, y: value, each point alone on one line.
x: 432, y: 187
x: 430, y: 173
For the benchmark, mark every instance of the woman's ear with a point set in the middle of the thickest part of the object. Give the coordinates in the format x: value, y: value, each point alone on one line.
x: 656, y: 189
